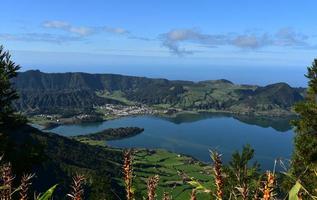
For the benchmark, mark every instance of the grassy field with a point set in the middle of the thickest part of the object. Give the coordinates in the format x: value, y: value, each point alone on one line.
x: 116, y: 95
x: 168, y: 166
x: 211, y: 91
x: 39, y: 120
x: 91, y: 142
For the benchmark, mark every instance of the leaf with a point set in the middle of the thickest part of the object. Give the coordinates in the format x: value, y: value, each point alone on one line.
x: 292, y: 194
x: 48, y: 194
x: 196, y: 185
x: 4, y: 187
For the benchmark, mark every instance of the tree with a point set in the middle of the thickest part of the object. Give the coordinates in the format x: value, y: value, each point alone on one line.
x: 8, y: 70
x: 243, y: 175
x: 304, y: 161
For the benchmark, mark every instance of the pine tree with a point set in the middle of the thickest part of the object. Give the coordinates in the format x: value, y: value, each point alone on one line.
x: 8, y: 70
x: 304, y: 162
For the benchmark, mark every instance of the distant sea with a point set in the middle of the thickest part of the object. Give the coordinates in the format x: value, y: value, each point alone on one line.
x: 294, y: 76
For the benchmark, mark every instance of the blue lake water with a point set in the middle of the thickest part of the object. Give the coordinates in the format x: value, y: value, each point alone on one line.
x: 194, y: 135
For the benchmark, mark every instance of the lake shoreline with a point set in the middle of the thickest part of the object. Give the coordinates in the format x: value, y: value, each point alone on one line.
x: 194, y: 134
x: 49, y: 125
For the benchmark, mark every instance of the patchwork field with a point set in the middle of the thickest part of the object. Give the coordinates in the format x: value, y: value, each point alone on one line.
x: 174, y: 170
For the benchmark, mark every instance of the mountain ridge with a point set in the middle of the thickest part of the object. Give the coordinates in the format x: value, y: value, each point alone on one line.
x: 39, y: 91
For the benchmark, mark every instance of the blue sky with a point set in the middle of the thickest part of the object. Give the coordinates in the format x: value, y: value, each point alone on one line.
x: 168, y: 35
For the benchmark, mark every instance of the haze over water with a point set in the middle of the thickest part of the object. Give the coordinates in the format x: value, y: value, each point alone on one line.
x: 239, y: 75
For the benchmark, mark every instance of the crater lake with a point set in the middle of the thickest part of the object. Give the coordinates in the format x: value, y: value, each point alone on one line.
x: 196, y: 134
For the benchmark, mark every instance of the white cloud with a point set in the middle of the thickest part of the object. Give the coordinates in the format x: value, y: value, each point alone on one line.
x: 288, y: 37
x: 284, y: 37
x: 251, y: 41
x: 116, y: 30
x: 173, y: 38
x: 56, y: 24
x: 71, y: 33
x: 65, y: 26
x: 83, y: 30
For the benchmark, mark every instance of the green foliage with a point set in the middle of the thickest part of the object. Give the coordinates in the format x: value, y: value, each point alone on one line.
x: 111, y: 134
x: 292, y: 195
x: 304, y: 160
x: 52, y: 93
x: 312, y: 84
x: 175, y: 172
x: 241, y: 173
x: 48, y: 194
x: 197, y: 186
x: 54, y: 159
x: 8, y: 70
x: 63, y: 102
x: 308, y: 117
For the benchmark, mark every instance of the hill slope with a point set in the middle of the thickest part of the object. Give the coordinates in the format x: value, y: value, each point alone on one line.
x: 55, y: 159
x: 50, y: 92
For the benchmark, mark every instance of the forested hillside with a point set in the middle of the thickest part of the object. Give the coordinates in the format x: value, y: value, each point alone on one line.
x: 55, y: 159
x: 49, y: 92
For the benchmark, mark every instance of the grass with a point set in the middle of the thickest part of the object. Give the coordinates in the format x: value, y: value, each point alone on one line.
x: 157, y: 174
x: 209, y: 92
x: 116, y: 95
x: 42, y: 121
x: 92, y: 142
x: 168, y: 165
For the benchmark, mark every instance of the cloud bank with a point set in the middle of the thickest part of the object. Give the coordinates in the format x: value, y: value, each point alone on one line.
x: 179, y: 42
x: 284, y: 37
x: 70, y: 33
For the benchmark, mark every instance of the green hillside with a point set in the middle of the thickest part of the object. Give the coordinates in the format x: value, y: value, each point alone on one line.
x: 55, y: 159
x: 81, y: 92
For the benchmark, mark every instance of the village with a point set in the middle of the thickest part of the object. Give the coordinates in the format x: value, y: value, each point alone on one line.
x: 105, y: 112
x: 123, y: 110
